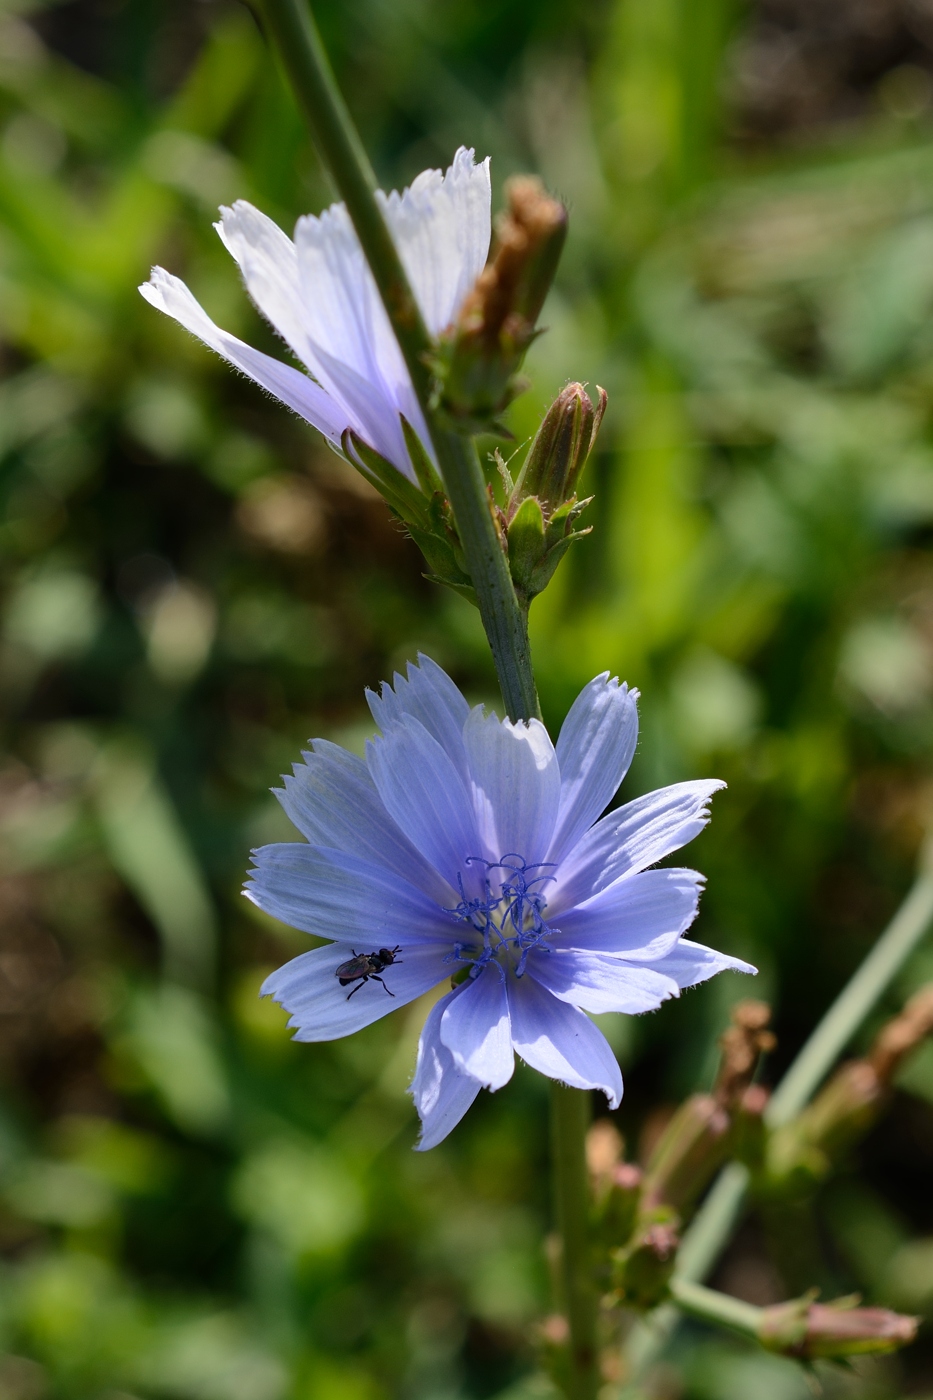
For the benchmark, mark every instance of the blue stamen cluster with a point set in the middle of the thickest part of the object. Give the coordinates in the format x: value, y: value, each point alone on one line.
x: 518, y: 904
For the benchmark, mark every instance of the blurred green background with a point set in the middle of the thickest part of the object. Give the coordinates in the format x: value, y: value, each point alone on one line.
x: 191, y: 586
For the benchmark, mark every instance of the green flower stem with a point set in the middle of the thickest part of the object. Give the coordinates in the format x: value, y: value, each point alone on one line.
x: 857, y: 999
x: 292, y: 26
x: 718, y: 1308
x: 713, y: 1225
x: 506, y: 623
x: 570, y: 1118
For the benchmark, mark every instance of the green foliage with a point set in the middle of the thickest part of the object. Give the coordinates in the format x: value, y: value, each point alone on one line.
x: 191, y: 585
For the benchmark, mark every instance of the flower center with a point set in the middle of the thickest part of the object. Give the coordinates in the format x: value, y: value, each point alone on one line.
x: 509, y: 915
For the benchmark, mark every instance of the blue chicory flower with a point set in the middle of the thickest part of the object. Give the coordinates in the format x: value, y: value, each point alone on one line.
x: 318, y: 293
x: 464, y: 847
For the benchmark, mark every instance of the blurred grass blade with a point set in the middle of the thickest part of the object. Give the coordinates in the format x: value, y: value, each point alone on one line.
x: 148, y: 847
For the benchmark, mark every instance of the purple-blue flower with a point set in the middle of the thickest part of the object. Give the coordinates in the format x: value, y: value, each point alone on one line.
x: 469, y: 848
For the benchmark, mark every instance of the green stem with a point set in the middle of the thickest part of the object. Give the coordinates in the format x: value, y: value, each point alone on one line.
x: 855, y: 1001
x: 715, y: 1220
x: 339, y: 146
x: 718, y: 1308
x: 302, y: 53
x: 505, y: 622
x: 570, y: 1118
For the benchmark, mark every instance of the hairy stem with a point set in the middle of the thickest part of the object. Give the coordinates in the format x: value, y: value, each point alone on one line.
x: 570, y: 1118
x: 292, y: 26
x: 715, y: 1220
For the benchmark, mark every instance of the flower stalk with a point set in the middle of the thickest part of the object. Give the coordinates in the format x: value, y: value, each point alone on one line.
x: 570, y: 1117
x: 302, y: 53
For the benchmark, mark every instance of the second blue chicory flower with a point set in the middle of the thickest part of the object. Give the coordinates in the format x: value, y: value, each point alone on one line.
x: 469, y: 848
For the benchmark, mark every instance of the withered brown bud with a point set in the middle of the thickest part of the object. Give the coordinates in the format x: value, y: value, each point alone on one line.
x: 478, y: 358
x: 510, y: 291
x: 848, y: 1104
x: 741, y: 1045
x: 899, y: 1037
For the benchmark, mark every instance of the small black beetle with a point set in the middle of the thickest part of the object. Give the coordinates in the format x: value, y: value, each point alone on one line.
x: 363, y: 966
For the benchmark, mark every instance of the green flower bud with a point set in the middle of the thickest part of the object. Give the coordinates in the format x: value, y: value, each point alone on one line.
x: 560, y: 449
x: 806, y: 1329
x: 541, y: 513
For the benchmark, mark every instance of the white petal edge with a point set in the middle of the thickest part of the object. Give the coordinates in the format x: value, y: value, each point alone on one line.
x: 442, y: 226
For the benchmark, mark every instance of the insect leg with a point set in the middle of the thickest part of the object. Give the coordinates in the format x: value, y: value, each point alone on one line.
x: 379, y: 979
x: 359, y: 984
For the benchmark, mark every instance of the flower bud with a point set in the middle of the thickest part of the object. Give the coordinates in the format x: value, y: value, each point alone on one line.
x: 616, y: 1208
x: 806, y: 1329
x: 511, y: 289
x: 900, y: 1037
x: 479, y: 358
x: 560, y: 449
x: 640, y: 1273
x: 745, y: 1040
x: 542, y: 510
x: 691, y: 1148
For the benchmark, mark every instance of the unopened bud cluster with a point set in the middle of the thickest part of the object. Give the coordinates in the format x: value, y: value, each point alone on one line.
x: 638, y: 1212
x: 475, y: 367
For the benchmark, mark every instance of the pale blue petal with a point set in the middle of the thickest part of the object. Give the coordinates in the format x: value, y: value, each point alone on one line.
x: 296, y: 390
x: 516, y: 785
x: 333, y: 801
x: 640, y: 917
x: 441, y: 226
x: 268, y: 261
x: 594, y: 749
x: 561, y: 1042
x: 442, y: 1093
x: 429, y: 696
x: 475, y: 1028
x: 321, y: 1009
x: 343, y: 311
x: 632, y: 838
x: 689, y: 963
x: 425, y: 795
x: 334, y: 894
x: 600, y: 982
